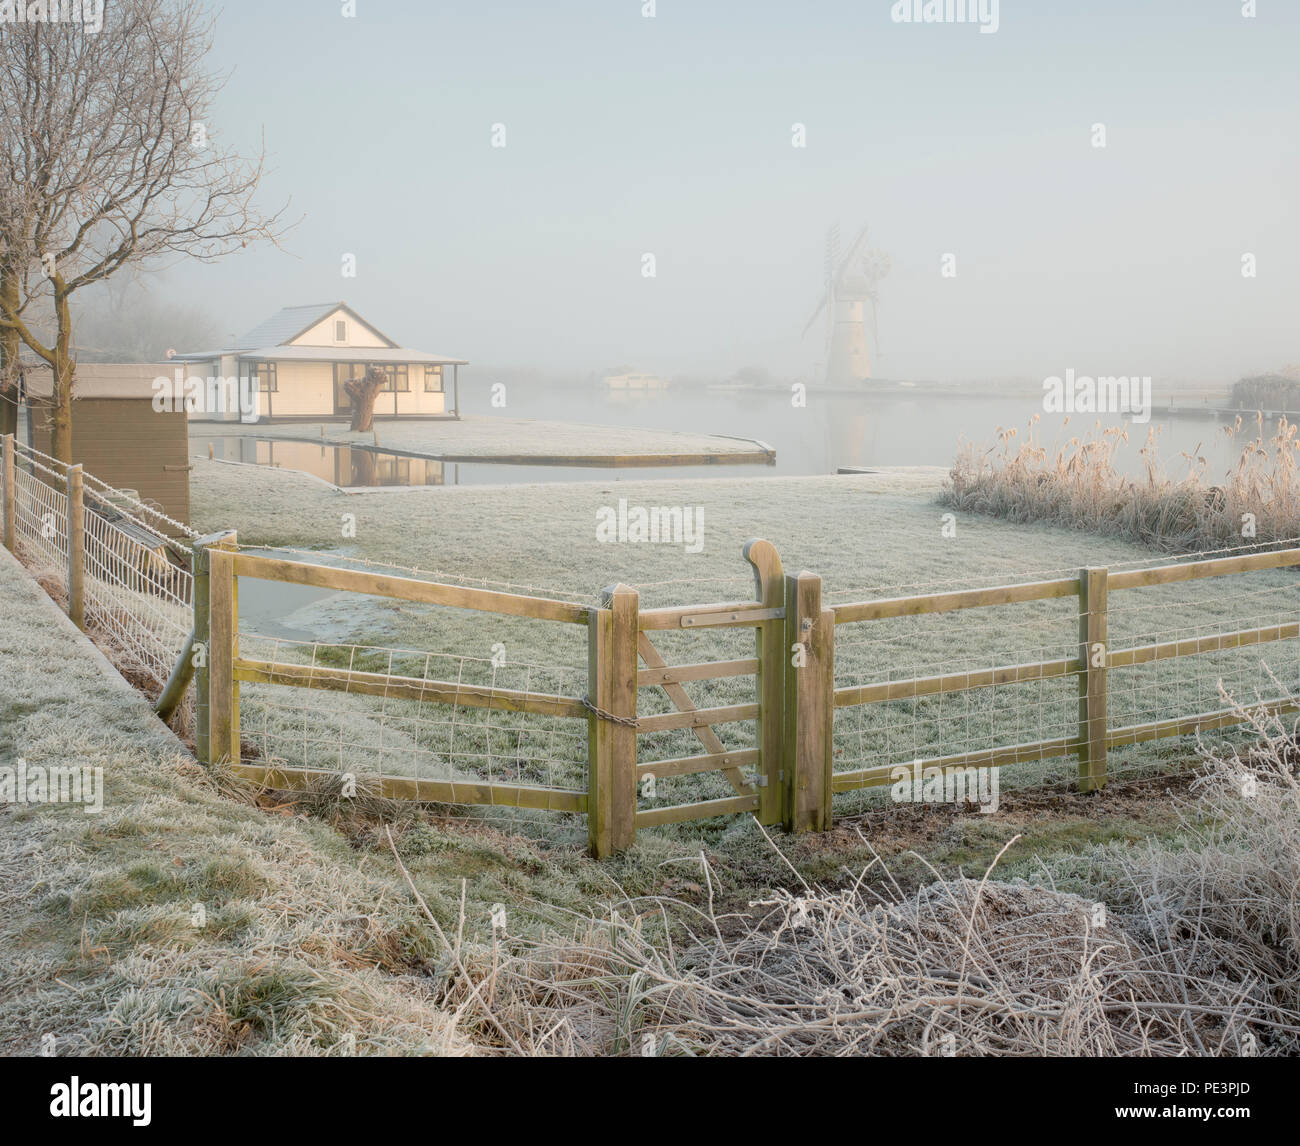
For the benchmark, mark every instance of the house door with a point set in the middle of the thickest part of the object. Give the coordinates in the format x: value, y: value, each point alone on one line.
x: 342, y: 402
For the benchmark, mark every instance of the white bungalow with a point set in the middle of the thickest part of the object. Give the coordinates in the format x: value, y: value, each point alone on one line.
x: 299, y: 359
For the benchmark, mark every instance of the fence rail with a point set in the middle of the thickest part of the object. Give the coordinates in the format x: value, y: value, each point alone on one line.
x: 779, y: 699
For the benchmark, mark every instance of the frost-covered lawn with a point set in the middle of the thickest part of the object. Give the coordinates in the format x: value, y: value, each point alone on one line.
x: 866, y: 536
x: 482, y: 437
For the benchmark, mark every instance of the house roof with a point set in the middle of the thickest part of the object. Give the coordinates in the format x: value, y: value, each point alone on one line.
x: 341, y: 354
x: 272, y: 339
x: 292, y: 322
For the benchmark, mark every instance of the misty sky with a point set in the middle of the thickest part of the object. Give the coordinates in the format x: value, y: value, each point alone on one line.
x: 672, y: 135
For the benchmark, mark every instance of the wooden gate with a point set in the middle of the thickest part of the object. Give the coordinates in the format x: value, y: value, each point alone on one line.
x: 623, y: 660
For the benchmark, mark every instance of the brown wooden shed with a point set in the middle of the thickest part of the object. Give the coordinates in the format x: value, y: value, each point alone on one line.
x: 117, y: 435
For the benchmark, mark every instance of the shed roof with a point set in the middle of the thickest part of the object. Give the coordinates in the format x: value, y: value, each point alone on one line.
x: 100, y: 380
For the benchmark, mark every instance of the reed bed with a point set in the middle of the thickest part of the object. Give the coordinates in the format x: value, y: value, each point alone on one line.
x: 1078, y: 485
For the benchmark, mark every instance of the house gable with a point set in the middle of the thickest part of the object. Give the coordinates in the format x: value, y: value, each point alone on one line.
x: 342, y: 319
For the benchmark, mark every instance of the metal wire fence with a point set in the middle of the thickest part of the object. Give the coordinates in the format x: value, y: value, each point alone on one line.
x: 135, y: 579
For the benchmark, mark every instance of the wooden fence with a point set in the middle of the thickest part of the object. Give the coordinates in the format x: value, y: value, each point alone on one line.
x: 787, y: 776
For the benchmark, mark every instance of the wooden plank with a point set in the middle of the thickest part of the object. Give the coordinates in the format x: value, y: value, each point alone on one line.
x: 408, y: 589
x: 711, y: 670
x: 1092, y: 681
x: 427, y: 791
x: 223, y: 651
x: 701, y: 811
x: 622, y: 701
x: 600, y: 779
x: 1198, y: 570
x: 1190, y: 646
x: 11, y: 499
x: 771, y: 651
x: 76, y: 547
x: 672, y: 616
x: 946, y: 602
x: 986, y: 758
x: 708, y: 762
x: 698, y: 718
x: 1186, y: 725
x: 809, y: 705
x: 954, y: 682
x: 678, y: 695
x: 202, y: 635
x: 408, y: 688
x: 736, y: 617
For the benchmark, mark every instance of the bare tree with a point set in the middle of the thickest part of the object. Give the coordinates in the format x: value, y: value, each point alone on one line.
x: 108, y: 145
x: 363, y: 392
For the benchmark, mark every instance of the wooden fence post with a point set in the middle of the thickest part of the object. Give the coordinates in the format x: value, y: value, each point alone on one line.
x: 1092, y: 681
x: 76, y: 548
x: 11, y: 499
x: 611, y: 743
x: 769, y: 685
x: 204, y: 698
x: 809, y: 704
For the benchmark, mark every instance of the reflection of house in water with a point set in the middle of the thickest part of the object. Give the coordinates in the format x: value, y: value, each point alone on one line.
x: 338, y: 465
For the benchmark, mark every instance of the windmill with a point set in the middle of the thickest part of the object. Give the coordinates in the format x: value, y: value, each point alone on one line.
x: 851, y: 282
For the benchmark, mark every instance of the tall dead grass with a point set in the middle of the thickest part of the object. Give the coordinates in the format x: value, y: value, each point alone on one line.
x: 1079, y: 486
x: 1189, y: 948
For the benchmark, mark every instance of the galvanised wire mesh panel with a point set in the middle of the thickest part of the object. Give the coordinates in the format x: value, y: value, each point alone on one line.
x: 138, y: 599
x: 135, y: 594
x: 41, y: 521
x: 1205, y: 614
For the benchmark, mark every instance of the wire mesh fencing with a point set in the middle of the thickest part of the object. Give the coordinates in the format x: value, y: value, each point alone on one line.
x: 136, y: 579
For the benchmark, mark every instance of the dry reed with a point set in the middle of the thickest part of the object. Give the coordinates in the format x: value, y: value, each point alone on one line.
x: 1079, y: 486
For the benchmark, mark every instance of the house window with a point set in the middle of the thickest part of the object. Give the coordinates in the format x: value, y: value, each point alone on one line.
x: 340, y: 330
x: 260, y: 376
x: 395, y: 378
x: 433, y: 379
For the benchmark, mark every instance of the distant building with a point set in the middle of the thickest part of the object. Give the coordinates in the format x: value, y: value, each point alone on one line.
x: 299, y: 360
x: 117, y: 434
x: 634, y: 381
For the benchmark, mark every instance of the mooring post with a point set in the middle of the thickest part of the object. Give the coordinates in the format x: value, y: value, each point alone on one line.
x: 1092, y: 680
x: 769, y: 684
x: 10, y: 472
x: 76, y: 547
x: 202, y: 640
x: 809, y: 704
x: 611, y: 722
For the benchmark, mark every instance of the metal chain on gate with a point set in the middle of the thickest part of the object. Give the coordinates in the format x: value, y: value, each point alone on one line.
x: 630, y: 721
